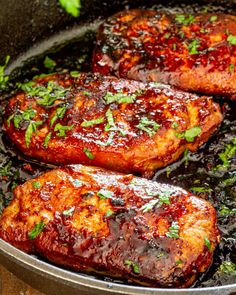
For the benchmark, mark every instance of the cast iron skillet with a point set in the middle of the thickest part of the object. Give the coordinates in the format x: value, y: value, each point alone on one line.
x: 23, y: 24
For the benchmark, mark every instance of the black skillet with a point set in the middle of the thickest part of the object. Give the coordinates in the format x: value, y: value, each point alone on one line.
x: 30, y: 28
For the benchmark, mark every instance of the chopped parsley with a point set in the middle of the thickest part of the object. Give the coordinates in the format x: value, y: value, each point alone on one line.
x: 193, y: 47
x: 38, y: 228
x: 213, y: 18
x: 225, y: 211
x: 88, y: 153
x: 135, y: 266
x: 104, y: 194
x: 5, y: 170
x: 46, y: 95
x: 109, y: 213
x: 3, y: 78
x: 47, y: 139
x: 231, y: 68
x: 36, y: 184
x: 49, y: 63
x: 207, y: 243
x: 227, y: 154
x: 71, y: 6
x: 228, y: 267
x: 173, y: 231
x: 92, y: 122
x: 62, y: 129
x: 190, y: 134
x: 175, y: 125
x: 69, y: 212
x: 27, y: 115
x: 75, y: 74
x: 108, y: 142
x: 178, y: 262
x: 200, y: 189
x: 167, y: 35
x: 149, y: 126
x: 119, y: 97
x: 59, y: 114
x: 163, y: 199
x: 32, y: 128
x: 231, y: 39
x: 184, y: 19
x: 110, y: 126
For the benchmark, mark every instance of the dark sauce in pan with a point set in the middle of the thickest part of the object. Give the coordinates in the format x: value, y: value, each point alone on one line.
x: 201, y: 172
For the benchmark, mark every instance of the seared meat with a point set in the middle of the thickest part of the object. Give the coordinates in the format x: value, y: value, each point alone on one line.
x: 191, y: 52
x: 122, y: 125
x: 93, y: 220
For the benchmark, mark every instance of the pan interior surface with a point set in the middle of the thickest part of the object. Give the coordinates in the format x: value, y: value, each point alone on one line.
x: 70, y: 45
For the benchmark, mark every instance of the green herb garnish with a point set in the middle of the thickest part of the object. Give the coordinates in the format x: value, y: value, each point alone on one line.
x: 175, y: 125
x: 190, y: 134
x: 108, y: 142
x: 178, y: 262
x: 200, y: 189
x: 36, y: 184
x: 104, y: 194
x: 149, y: 126
x: 49, y: 63
x: 38, y: 228
x: 59, y: 114
x: 111, y: 123
x: 134, y: 266
x: 228, y: 267
x: 227, y: 154
x: 62, y: 129
x: 167, y: 35
x: 163, y: 199
x: 231, y: 68
x: 119, y: 97
x: 213, y: 18
x: 69, y: 212
x: 6, y: 169
x: 207, y: 243
x: 173, y: 231
x: 32, y: 128
x: 109, y: 213
x: 47, y: 139
x: 71, y: 6
x: 231, y: 39
x: 88, y: 153
x: 193, y: 47
x: 92, y: 122
x: 184, y: 19
x: 3, y: 78
x: 225, y: 211
x: 75, y: 74
x: 27, y: 115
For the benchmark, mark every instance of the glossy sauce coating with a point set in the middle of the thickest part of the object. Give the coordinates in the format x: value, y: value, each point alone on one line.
x: 121, y: 125
x: 192, y: 52
x: 120, y: 225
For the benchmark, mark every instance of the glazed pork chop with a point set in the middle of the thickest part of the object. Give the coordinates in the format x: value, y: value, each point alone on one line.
x: 121, y: 125
x: 95, y: 221
x: 192, y: 52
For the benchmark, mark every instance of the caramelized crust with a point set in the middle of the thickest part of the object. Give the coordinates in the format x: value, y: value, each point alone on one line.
x: 119, y: 225
x: 191, y: 52
x: 139, y: 132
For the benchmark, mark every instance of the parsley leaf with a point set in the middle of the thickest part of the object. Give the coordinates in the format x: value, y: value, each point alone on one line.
x: 108, y: 142
x: 47, y: 139
x: 75, y: 74
x: 231, y: 68
x: 104, y: 194
x: 49, y: 63
x: 88, y: 153
x: 62, y: 129
x: 225, y: 211
x: 213, y: 18
x: 134, y: 266
x: 92, y: 122
x: 109, y: 213
x: 190, y: 134
x: 27, y: 115
x: 227, y: 154
x: 36, y: 184
x: 71, y: 6
x: 231, y: 39
x: 119, y: 97
x: 163, y: 199
x: 193, y: 47
x: 228, y: 267
x: 32, y: 128
x: 207, y: 243
x: 69, y: 212
x: 173, y: 231
x: 149, y: 126
x: 4, y: 79
x: 111, y: 123
x: 38, y: 228
x: 184, y: 19
x: 200, y: 189
x: 59, y: 114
